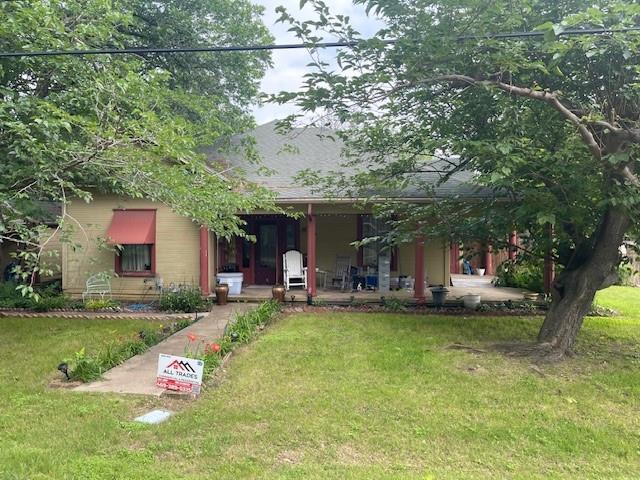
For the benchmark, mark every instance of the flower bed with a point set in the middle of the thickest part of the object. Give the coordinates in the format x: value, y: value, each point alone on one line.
x: 85, y: 368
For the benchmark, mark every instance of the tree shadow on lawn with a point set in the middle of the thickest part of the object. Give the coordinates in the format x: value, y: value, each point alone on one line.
x: 602, y: 339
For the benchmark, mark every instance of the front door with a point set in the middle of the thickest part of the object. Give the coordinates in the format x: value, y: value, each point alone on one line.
x: 266, y: 253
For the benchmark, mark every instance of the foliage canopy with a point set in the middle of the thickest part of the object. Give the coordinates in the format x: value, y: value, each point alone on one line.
x: 134, y: 125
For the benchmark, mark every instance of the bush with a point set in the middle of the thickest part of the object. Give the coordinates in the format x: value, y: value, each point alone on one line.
x: 48, y: 298
x: 12, y: 298
x: 188, y: 300
x: 395, y: 304
x: 55, y: 302
x: 85, y: 368
x: 521, y: 274
x: 101, y: 304
x: 627, y: 274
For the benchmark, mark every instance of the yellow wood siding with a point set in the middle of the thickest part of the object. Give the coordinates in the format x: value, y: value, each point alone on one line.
x: 51, y: 253
x: 177, y: 248
x: 333, y: 236
x: 436, y: 260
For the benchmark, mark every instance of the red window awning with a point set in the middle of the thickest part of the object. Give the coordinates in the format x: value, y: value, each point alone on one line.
x: 132, y: 227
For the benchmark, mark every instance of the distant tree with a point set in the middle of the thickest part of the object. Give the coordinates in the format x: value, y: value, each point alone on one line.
x: 549, y: 124
x: 71, y: 126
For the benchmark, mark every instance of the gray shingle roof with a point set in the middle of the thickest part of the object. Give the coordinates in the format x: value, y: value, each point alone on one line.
x: 285, y: 155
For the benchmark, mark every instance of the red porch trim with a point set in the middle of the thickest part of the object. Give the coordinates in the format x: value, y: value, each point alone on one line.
x: 418, y: 290
x: 488, y: 260
x: 454, y: 261
x: 311, y: 251
x: 204, y: 260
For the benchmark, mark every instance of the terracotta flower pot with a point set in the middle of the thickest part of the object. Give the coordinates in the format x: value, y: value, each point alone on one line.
x: 222, y: 293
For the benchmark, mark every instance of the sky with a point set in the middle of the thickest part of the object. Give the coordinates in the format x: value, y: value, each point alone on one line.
x: 289, y: 66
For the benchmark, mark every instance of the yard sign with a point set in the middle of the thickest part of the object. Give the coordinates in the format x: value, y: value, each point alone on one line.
x: 179, y: 373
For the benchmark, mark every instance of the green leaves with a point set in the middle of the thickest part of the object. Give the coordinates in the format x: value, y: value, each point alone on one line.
x: 129, y: 125
x: 519, y: 162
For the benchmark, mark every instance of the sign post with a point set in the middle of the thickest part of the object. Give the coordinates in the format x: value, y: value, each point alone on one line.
x: 179, y: 374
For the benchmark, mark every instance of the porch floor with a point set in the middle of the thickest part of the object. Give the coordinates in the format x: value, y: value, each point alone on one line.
x: 462, y: 285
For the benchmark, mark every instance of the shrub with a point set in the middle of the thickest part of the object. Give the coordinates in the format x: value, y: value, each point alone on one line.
x: 85, y: 368
x: 187, y: 299
x: 44, y: 304
x: 521, y: 274
x: 395, y: 304
x: 12, y: 298
x: 627, y: 275
x: 48, y: 298
x: 101, y: 304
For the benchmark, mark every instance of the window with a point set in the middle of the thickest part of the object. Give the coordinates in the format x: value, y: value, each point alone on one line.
x: 134, y: 233
x: 291, y: 237
x: 136, y: 258
x: 372, y: 227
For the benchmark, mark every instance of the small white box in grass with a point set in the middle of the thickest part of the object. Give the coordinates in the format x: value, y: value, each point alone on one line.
x: 154, y: 417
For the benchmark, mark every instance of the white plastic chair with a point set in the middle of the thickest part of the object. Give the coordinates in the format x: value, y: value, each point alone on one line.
x: 295, y: 275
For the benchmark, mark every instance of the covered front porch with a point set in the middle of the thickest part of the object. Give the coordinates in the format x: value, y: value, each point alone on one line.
x: 462, y: 285
x: 324, y: 234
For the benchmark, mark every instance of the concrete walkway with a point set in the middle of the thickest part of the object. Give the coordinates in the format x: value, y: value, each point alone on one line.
x: 138, y: 374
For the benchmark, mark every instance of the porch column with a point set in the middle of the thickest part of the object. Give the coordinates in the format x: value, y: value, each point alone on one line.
x: 204, y: 260
x: 311, y: 251
x: 488, y: 260
x: 549, y: 265
x: 513, y: 245
x: 455, y: 258
x: 418, y: 290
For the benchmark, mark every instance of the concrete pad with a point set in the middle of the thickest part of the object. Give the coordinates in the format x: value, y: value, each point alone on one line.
x: 138, y: 374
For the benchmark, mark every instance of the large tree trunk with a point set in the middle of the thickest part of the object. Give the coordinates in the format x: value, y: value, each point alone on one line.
x: 574, y: 290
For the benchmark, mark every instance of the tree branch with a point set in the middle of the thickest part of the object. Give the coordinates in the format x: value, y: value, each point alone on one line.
x: 630, y: 176
x: 550, y: 98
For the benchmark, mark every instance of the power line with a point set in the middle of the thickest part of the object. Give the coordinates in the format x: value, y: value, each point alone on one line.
x: 293, y: 46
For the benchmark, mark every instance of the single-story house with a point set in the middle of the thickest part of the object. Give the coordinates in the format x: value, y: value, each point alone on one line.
x: 164, y: 250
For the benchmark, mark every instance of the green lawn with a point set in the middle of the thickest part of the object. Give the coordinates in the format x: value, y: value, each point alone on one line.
x: 340, y: 396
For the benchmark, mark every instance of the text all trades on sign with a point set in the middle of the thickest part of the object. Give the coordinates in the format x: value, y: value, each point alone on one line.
x: 179, y: 373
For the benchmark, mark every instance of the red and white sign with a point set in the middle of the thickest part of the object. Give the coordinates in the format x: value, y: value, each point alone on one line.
x: 180, y: 374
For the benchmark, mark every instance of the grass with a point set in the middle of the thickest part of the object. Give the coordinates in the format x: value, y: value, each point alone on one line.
x: 341, y: 396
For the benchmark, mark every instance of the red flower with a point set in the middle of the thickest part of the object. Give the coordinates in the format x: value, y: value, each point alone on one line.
x: 191, y: 337
x: 215, y: 347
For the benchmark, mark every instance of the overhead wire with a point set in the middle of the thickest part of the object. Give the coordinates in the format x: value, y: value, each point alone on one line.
x: 293, y: 46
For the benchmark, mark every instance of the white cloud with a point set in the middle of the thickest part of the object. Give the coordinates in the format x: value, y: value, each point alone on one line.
x: 289, y: 66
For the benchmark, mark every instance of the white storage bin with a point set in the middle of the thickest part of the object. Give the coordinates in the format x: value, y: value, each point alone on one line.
x: 234, y: 280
